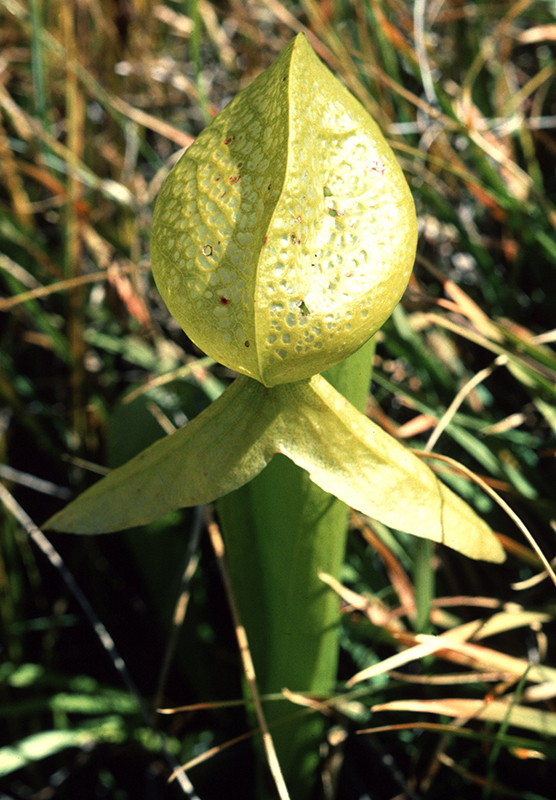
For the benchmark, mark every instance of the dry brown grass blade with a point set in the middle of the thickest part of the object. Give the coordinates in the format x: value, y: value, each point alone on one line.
x: 468, y: 308
x: 305, y: 701
x: 492, y: 710
x: 203, y: 706
x: 376, y: 612
x: 18, y: 117
x: 466, y: 600
x: 488, y: 45
x: 455, y: 166
x: 18, y: 272
x: 510, y: 619
x: 539, y: 33
x: 14, y: 184
x: 414, y: 427
x: 543, y: 75
x: 465, y: 390
x: 60, y: 286
x: 396, y: 573
x: 195, y: 366
x: 218, y: 35
x: 152, y: 123
x: 434, y: 113
x: 409, y: 726
x: 135, y: 304
x: 426, y: 646
x: 208, y: 754
x: 45, y: 178
x: 477, y: 338
x: 70, y: 59
x: 287, y: 18
x: 32, y: 127
x: 163, y: 420
x: 509, y: 423
x: 453, y: 645
x: 534, y: 580
x: 501, y: 502
x: 479, y: 657
x: 545, y: 338
x: 451, y: 679
x: 353, y: 599
x: 497, y: 144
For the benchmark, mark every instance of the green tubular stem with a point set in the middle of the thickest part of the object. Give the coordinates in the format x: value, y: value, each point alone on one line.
x: 280, y: 530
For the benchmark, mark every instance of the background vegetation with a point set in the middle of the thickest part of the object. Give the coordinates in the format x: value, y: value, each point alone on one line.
x: 97, y: 98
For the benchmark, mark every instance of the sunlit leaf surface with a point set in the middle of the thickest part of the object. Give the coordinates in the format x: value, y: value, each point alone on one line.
x: 310, y: 422
x: 348, y: 455
x: 220, y: 450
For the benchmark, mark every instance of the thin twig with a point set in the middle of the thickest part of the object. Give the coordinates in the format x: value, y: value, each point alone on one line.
x: 249, y: 669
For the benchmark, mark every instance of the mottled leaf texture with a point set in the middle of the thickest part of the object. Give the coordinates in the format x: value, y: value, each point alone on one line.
x: 229, y: 443
x: 285, y: 236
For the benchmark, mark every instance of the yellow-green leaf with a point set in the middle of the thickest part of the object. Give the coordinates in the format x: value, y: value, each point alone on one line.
x: 224, y: 447
x: 229, y: 443
x: 349, y: 456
